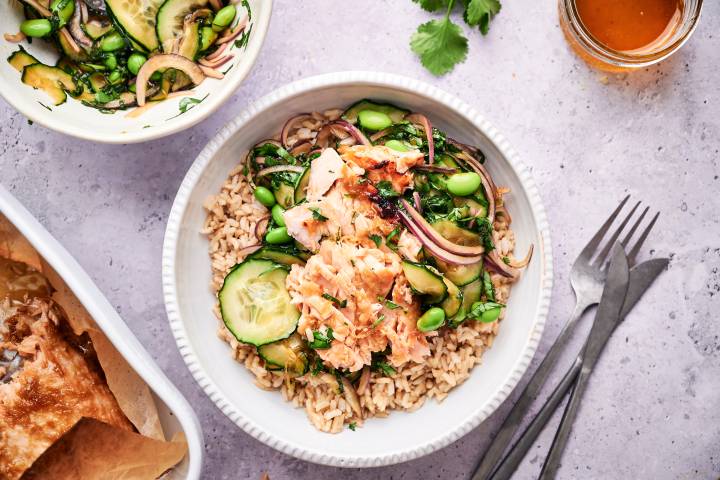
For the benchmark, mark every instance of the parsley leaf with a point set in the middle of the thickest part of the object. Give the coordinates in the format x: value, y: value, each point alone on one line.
x: 431, y: 5
x: 480, y: 12
x: 352, y: 426
x: 378, y: 321
x: 484, y: 229
x: 339, y: 303
x: 440, y: 44
x: 377, y: 239
x: 383, y: 367
x: 388, y: 303
x: 478, y: 308
x: 385, y: 189
x: 317, y: 215
x: 318, y: 366
x: 488, y: 287
x: 322, y: 341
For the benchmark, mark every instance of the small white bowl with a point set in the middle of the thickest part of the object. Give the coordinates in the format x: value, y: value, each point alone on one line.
x: 265, y: 415
x: 74, y: 118
x: 175, y: 412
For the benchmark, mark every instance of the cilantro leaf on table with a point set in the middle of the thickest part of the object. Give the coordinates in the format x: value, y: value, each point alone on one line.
x: 431, y: 5
x: 480, y: 12
x: 440, y: 44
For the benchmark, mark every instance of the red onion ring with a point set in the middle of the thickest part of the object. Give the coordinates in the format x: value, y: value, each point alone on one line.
x: 502, y: 211
x: 280, y: 168
x: 377, y: 136
x: 300, y: 148
x: 436, y: 169
x: 217, y: 62
x: 246, y: 251
x: 427, y: 126
x: 416, y: 200
x: 471, y: 151
x: 211, y: 72
x: 525, y: 261
x: 323, y: 136
x: 435, y: 237
x: 494, y: 261
x: 217, y: 52
x: 290, y: 124
x: 14, y: 37
x: 236, y: 30
x: 432, y: 247
x: 167, y: 60
x: 261, y: 227
x: 487, y: 183
x: 352, y: 130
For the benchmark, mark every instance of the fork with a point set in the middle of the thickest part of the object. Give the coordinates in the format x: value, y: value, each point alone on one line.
x: 587, y: 278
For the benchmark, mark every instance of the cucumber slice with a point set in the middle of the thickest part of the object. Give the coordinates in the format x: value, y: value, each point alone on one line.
x: 476, y: 208
x: 395, y: 113
x: 21, y: 59
x: 456, y: 234
x: 190, y: 44
x: 285, y: 195
x: 301, y: 185
x: 471, y: 294
x: 425, y: 282
x: 136, y: 18
x: 96, y: 28
x: 453, y: 301
x: 51, y: 80
x: 278, y: 255
x: 460, y: 274
x: 255, y: 305
x: 69, y: 52
x: 289, y: 355
x: 170, y: 20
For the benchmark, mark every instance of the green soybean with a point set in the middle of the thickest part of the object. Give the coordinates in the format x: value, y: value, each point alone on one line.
x: 224, y: 17
x: 36, y: 28
x: 114, y: 77
x: 134, y: 62
x: 265, y: 196
x: 373, y: 120
x: 463, y: 184
x: 132, y: 88
x: 111, y: 42
x: 277, y: 214
x: 397, y: 145
x: 110, y: 61
x: 156, y: 76
x: 431, y: 320
x: 64, y: 10
x: 277, y: 236
x: 491, y: 315
x: 207, y: 37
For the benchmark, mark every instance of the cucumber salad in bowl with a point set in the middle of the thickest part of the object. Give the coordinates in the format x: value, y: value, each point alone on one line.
x: 362, y: 260
x: 117, y: 54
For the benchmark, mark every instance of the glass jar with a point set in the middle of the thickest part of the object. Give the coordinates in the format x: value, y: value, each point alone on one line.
x: 605, y: 58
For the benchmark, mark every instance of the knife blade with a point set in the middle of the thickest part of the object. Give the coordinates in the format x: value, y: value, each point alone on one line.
x: 642, y: 276
x: 606, y: 319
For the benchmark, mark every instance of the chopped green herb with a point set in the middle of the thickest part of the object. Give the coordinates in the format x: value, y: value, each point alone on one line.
x: 317, y: 367
x: 392, y: 234
x: 388, y: 303
x: 338, y: 377
x: 484, y: 229
x: 488, y: 287
x: 322, y: 341
x: 339, y: 303
x: 352, y: 426
x: 317, y: 215
x: 385, y: 189
x: 379, y: 320
x: 377, y: 239
x: 384, y: 367
x: 45, y: 106
x: 506, y: 260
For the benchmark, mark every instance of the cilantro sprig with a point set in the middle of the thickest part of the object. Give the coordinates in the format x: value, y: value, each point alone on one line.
x: 441, y: 44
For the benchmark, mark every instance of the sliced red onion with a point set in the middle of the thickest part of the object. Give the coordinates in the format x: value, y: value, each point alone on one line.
x: 432, y: 247
x: 377, y: 136
x: 83, y: 12
x: 494, y: 261
x: 323, y: 136
x: 427, y: 126
x: 290, y: 124
x: 487, y: 183
x: 416, y: 200
x: 432, y: 234
x: 525, y: 261
x: 244, y: 252
x: 300, y: 148
x: 14, y: 37
x: 436, y: 169
x: 76, y: 30
x: 211, y: 72
x: 168, y: 60
x: 501, y: 210
x: 216, y: 5
x: 352, y: 130
x: 280, y: 168
x: 217, y: 62
x: 471, y: 151
x: 39, y: 8
x: 235, y: 31
x: 261, y: 227
x: 217, y: 52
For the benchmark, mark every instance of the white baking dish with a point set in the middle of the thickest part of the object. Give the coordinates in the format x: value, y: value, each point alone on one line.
x: 175, y: 413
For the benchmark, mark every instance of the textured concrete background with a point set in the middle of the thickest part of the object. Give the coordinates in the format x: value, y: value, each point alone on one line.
x: 653, y: 407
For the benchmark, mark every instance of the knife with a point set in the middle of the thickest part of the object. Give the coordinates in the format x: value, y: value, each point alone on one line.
x: 607, y: 318
x: 642, y: 277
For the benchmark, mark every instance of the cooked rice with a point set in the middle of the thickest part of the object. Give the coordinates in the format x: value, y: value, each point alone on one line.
x: 230, y: 224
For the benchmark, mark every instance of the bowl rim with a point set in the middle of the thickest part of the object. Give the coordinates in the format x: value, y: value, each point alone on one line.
x: 196, y: 172
x: 261, y: 23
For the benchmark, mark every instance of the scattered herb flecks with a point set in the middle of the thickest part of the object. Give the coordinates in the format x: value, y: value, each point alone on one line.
x: 388, y: 303
x: 384, y: 367
x: 339, y: 303
x: 352, y: 426
x: 188, y: 103
x: 379, y: 320
x: 317, y: 215
x: 385, y: 189
x: 322, y: 341
x: 377, y: 239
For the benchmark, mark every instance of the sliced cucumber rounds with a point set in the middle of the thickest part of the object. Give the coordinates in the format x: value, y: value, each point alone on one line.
x: 255, y: 304
x: 289, y: 355
x: 396, y: 114
x: 171, y: 17
x: 137, y: 20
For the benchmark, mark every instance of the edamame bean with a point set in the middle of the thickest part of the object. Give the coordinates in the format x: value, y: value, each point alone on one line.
x: 135, y: 61
x: 132, y: 88
x: 431, y: 320
x: 111, y: 42
x: 207, y: 37
x: 223, y: 18
x: 491, y: 315
x: 277, y: 214
x: 110, y: 61
x: 36, y: 28
x: 265, y: 196
x: 156, y: 76
x: 277, y: 236
x: 463, y: 184
x: 64, y: 10
x: 114, y: 77
x: 373, y: 120
x: 397, y: 146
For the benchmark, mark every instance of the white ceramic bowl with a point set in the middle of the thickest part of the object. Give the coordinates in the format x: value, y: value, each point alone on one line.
x: 176, y: 415
x: 264, y: 415
x: 74, y: 118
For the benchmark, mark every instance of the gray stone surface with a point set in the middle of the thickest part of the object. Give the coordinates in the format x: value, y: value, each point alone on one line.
x: 652, y: 410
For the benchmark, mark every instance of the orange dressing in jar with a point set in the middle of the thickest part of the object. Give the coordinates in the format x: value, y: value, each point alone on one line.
x: 630, y: 25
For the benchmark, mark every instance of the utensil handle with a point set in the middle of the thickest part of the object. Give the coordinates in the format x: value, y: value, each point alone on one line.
x: 552, y: 461
x: 512, y: 422
x: 518, y: 451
